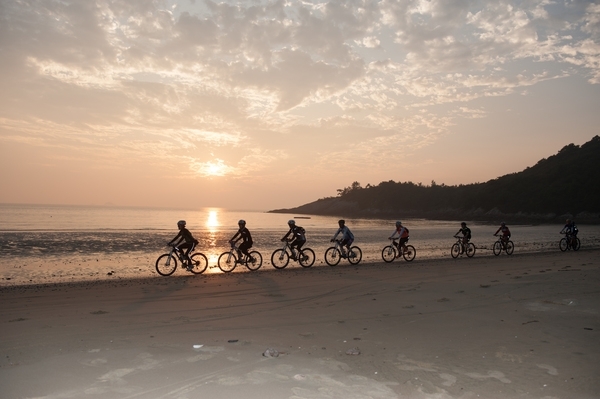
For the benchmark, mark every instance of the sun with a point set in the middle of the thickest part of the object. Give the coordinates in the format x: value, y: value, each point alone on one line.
x: 216, y: 168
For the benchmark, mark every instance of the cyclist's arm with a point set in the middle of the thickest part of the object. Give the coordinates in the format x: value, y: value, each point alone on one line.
x: 175, y: 239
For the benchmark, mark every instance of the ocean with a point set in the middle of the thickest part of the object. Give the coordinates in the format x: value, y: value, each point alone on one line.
x: 47, y: 243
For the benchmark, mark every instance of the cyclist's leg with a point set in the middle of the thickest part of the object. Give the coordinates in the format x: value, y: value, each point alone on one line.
x: 244, y: 248
x: 402, y: 244
x: 185, y: 249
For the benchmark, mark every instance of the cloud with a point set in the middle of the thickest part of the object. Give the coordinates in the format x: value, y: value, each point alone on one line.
x: 252, y: 81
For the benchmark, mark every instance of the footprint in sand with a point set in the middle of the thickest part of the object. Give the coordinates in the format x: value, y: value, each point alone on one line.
x: 449, y: 379
x: 491, y: 374
x: 551, y: 370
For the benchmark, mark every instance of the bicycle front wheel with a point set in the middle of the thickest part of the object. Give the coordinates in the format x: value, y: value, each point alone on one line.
x: 577, y: 244
x: 409, y: 253
x: 307, y: 257
x: 563, y: 244
x: 497, y: 248
x: 166, y: 265
x: 199, y: 263
x: 255, y: 261
x: 227, y: 262
x: 510, y: 247
x: 455, y: 250
x: 332, y: 256
x: 354, y: 255
x: 470, y: 249
x: 280, y: 259
x: 388, y: 253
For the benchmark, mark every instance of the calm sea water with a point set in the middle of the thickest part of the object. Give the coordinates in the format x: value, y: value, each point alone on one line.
x: 56, y: 243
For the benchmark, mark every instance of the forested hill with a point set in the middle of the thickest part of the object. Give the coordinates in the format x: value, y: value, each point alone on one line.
x: 564, y: 185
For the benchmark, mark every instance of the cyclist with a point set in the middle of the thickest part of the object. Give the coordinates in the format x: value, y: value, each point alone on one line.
x: 242, y: 234
x: 184, y: 240
x: 570, y: 230
x: 505, y: 233
x: 466, y: 232
x: 298, y: 237
x: 347, y: 236
x: 403, y: 234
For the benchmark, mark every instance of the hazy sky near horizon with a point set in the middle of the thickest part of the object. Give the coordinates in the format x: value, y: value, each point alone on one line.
x: 271, y: 104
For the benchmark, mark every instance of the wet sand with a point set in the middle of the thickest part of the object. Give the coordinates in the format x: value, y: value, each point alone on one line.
x: 524, y: 326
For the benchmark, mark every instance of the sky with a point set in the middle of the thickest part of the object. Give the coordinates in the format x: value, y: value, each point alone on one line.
x: 259, y: 105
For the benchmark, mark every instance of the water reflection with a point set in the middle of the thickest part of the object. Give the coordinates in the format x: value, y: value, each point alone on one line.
x: 212, y: 222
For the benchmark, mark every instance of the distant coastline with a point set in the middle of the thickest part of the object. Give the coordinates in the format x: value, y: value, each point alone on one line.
x: 338, y: 207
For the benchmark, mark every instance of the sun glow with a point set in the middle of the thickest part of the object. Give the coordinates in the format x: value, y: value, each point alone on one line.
x: 216, y: 168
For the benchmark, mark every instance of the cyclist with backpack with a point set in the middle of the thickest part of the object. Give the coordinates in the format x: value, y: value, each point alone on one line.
x: 466, y: 232
x: 242, y: 234
x: 570, y: 230
x: 184, y: 240
x: 298, y: 237
x: 347, y: 236
x: 505, y: 233
x: 403, y: 235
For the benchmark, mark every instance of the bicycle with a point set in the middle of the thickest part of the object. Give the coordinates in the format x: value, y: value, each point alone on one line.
x: 281, y: 257
x: 392, y: 251
x: 229, y: 260
x: 569, y: 242
x: 500, y: 245
x: 334, y: 254
x: 166, y: 264
x: 459, y: 247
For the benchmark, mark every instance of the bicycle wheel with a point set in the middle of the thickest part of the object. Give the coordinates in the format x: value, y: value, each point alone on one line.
x: 255, y: 261
x: 455, y: 250
x: 510, y: 247
x: 332, y: 256
x: 470, y: 249
x: 388, y: 253
x: 280, y: 259
x: 577, y: 244
x: 497, y: 248
x: 563, y: 244
x: 199, y: 263
x: 227, y: 262
x: 409, y: 253
x: 355, y: 255
x: 307, y: 257
x: 166, y: 265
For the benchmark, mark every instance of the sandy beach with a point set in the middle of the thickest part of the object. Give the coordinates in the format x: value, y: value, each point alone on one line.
x: 521, y: 326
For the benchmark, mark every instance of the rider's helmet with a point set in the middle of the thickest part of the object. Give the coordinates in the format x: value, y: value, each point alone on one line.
x: 398, y: 223
x: 241, y: 222
x: 463, y: 224
x: 568, y: 221
x: 291, y: 222
x: 502, y: 224
x: 341, y: 222
x: 181, y: 223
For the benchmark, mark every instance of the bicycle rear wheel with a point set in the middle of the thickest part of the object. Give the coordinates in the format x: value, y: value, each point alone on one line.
x: 166, y: 265
x: 199, y: 263
x: 510, y: 247
x: 388, y: 253
x: 470, y: 249
x: 497, y: 248
x: 307, y: 257
x: 577, y: 244
x: 455, y: 250
x: 332, y: 256
x: 563, y: 244
x: 354, y: 255
x: 227, y: 262
x: 280, y: 259
x: 409, y: 253
x: 255, y: 261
